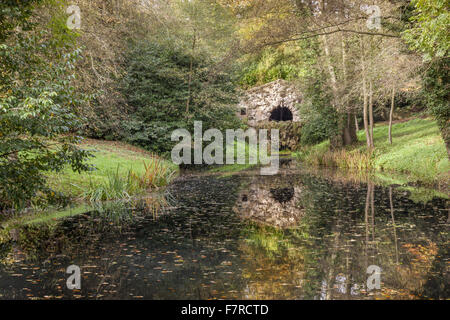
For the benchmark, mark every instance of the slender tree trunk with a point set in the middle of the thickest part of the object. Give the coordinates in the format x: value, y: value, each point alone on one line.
x: 356, y: 123
x: 330, y: 69
x: 364, y: 89
x: 350, y: 128
x: 365, y: 117
x: 371, y: 113
x: 391, y: 113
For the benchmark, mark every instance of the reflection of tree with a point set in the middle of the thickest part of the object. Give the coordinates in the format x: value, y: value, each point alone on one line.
x: 201, y: 250
x: 342, y: 242
x: 437, y: 285
x: 393, y: 224
x: 140, y: 256
x: 273, y: 266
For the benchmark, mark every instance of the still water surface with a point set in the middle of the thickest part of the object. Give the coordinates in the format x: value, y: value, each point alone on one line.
x: 296, y: 235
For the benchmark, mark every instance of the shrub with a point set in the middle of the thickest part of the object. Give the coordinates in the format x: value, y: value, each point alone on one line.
x: 38, y: 110
x: 157, y: 88
x: 117, y: 186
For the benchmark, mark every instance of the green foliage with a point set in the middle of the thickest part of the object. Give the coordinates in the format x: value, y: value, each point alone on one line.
x: 318, y: 116
x: 202, y: 26
x: 429, y: 34
x: 115, y: 187
x: 157, y: 88
x: 436, y: 90
x: 412, y: 140
x: 316, y: 129
x: 38, y: 113
x: 15, y: 14
x: 272, y: 64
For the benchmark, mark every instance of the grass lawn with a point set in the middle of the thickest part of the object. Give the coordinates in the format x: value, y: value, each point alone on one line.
x: 109, y: 157
x: 418, y: 151
x: 232, y: 168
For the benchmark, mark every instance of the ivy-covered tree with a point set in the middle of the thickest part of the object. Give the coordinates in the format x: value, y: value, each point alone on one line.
x: 38, y: 108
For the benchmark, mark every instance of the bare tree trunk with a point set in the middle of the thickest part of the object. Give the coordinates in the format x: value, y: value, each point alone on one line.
x: 391, y: 113
x: 356, y: 123
x: 364, y: 88
x: 330, y: 70
x: 350, y: 128
x: 371, y: 113
x: 365, y: 117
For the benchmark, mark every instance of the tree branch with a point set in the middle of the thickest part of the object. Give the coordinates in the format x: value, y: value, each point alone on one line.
x: 331, y: 32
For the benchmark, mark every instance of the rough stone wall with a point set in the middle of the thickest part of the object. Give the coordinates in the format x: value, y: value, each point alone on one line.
x: 290, y: 132
x: 259, y: 102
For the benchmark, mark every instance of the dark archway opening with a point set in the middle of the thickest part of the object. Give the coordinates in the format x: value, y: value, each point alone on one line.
x: 281, y: 114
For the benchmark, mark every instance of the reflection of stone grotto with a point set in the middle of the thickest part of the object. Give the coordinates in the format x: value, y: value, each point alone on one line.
x: 270, y: 203
x: 282, y: 195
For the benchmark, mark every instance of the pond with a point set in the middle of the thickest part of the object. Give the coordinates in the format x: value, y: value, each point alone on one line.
x: 302, y: 234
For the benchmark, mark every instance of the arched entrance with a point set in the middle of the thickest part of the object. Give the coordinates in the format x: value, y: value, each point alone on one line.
x: 281, y: 114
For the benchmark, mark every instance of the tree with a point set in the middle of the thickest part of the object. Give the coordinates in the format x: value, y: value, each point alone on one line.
x: 429, y: 35
x: 15, y: 14
x: 156, y: 86
x: 38, y: 110
x: 337, y: 25
x: 207, y: 27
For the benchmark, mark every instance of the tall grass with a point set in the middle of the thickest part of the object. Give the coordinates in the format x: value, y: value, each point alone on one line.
x: 418, y: 150
x: 156, y: 174
x: 344, y: 159
x: 115, y: 187
x: 118, y: 186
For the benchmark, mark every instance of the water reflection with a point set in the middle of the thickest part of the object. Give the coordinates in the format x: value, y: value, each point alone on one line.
x: 271, y: 200
x: 293, y: 236
x: 282, y: 195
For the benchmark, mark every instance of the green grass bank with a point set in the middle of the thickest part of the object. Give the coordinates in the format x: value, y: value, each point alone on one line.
x: 417, y: 152
x: 120, y: 170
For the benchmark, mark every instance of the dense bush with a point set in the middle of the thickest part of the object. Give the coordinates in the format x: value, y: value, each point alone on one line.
x: 436, y: 91
x: 319, y: 118
x: 38, y: 110
x: 157, y: 88
x: 429, y: 35
x: 272, y: 64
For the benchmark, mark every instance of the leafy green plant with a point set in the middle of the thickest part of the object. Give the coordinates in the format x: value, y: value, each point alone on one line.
x: 157, y: 174
x: 157, y: 85
x: 38, y: 109
x: 115, y: 187
x: 429, y: 35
